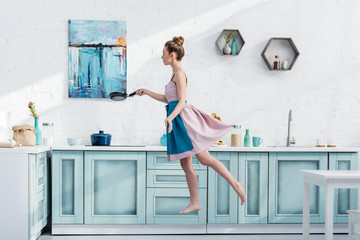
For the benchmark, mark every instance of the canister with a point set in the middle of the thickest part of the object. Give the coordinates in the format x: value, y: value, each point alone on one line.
x: 48, y: 134
x: 236, y: 136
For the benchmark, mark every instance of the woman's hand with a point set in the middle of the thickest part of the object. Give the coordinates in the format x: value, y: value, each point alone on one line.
x: 140, y: 92
x: 168, y: 121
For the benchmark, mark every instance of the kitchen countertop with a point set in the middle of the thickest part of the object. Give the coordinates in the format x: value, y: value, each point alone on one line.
x: 138, y: 148
x: 24, y: 150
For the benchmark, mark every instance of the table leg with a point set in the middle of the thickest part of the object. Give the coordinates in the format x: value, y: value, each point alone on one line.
x: 306, y: 211
x: 329, y: 211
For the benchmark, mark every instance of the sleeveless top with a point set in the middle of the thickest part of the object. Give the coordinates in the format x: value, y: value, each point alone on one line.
x: 193, y: 130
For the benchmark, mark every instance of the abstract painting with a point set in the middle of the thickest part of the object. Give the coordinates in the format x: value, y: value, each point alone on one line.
x: 97, y: 58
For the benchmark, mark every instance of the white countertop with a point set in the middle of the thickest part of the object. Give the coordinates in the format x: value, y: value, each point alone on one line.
x: 24, y: 150
x: 334, y: 174
x: 136, y: 148
x: 211, y: 149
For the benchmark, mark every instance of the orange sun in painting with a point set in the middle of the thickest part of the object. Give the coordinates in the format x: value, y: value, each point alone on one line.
x: 122, y: 41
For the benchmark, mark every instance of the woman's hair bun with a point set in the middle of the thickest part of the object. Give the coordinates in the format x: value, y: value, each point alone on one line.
x: 178, y: 40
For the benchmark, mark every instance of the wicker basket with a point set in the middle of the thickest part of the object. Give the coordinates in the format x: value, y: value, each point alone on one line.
x: 24, y: 134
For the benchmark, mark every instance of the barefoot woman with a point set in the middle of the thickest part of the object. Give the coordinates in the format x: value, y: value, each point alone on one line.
x: 190, y: 131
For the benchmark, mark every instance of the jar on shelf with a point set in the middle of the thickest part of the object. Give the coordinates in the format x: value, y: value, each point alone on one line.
x: 48, y: 134
x: 276, y: 62
x: 236, y: 136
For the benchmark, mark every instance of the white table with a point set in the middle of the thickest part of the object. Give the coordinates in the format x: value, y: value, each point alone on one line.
x: 330, y: 179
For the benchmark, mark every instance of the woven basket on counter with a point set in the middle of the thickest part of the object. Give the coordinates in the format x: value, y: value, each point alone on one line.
x: 24, y: 134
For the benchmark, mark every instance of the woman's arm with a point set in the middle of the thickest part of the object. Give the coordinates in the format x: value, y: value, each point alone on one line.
x: 156, y: 96
x: 180, y: 80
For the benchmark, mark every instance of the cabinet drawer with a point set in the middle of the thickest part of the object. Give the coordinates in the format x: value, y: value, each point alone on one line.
x: 40, y: 160
x: 158, y: 160
x: 40, y: 208
x: 164, y: 203
x: 173, y: 178
x: 40, y: 177
x: 40, y: 182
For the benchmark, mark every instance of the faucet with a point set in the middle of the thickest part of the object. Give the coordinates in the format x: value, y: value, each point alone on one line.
x: 288, y: 141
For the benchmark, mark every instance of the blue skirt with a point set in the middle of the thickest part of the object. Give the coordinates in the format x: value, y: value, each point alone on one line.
x: 178, y: 140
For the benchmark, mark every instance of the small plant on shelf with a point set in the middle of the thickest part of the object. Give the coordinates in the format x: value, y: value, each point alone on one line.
x: 227, y: 36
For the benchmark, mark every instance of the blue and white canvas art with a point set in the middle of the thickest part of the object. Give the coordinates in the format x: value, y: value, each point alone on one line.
x: 97, y: 58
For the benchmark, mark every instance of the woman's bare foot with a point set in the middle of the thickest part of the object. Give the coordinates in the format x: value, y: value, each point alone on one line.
x: 191, y: 207
x: 240, y: 192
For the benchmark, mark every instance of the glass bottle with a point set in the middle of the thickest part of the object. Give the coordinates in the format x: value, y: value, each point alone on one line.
x: 48, y: 134
x: 276, y: 62
x: 37, y: 132
x: 234, y: 48
x: 236, y: 136
x: 247, y: 141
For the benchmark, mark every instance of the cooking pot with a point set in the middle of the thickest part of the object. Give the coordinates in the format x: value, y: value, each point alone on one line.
x: 100, y: 139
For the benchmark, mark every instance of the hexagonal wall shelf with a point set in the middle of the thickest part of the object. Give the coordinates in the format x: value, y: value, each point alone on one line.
x: 220, y: 42
x: 285, y: 48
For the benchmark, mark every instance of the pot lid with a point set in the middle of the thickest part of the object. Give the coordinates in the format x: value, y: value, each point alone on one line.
x: 100, y: 134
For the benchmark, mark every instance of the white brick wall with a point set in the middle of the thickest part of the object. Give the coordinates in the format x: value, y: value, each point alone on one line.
x: 322, y: 89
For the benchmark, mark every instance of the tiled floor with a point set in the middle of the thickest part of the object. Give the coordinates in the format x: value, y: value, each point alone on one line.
x: 47, y: 236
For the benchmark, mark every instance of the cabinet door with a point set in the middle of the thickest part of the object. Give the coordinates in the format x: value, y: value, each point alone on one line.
x: 286, y: 187
x: 345, y: 198
x: 32, y: 195
x: 67, y: 187
x: 114, y: 187
x: 164, y: 203
x: 38, y: 194
x: 253, y: 172
x: 222, y: 199
x: 158, y: 160
x: 42, y: 199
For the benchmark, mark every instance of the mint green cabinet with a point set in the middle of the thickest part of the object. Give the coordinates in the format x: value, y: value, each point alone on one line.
x: 253, y: 172
x: 114, y: 187
x: 164, y: 203
x: 38, y: 193
x: 67, y: 187
x: 224, y: 204
x: 167, y: 192
x: 222, y: 199
x: 286, y: 187
x: 158, y: 160
x: 345, y: 199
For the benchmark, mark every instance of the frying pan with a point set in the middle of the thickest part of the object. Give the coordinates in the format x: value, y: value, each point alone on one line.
x: 120, y: 96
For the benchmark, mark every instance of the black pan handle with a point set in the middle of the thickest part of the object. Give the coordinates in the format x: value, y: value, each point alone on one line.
x: 132, y: 94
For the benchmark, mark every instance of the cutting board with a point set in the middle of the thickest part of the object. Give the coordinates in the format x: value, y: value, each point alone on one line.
x: 9, y: 145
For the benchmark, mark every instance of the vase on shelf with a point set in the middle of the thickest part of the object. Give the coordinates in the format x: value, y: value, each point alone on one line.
x: 234, y: 48
x: 227, y: 49
x: 37, y: 132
